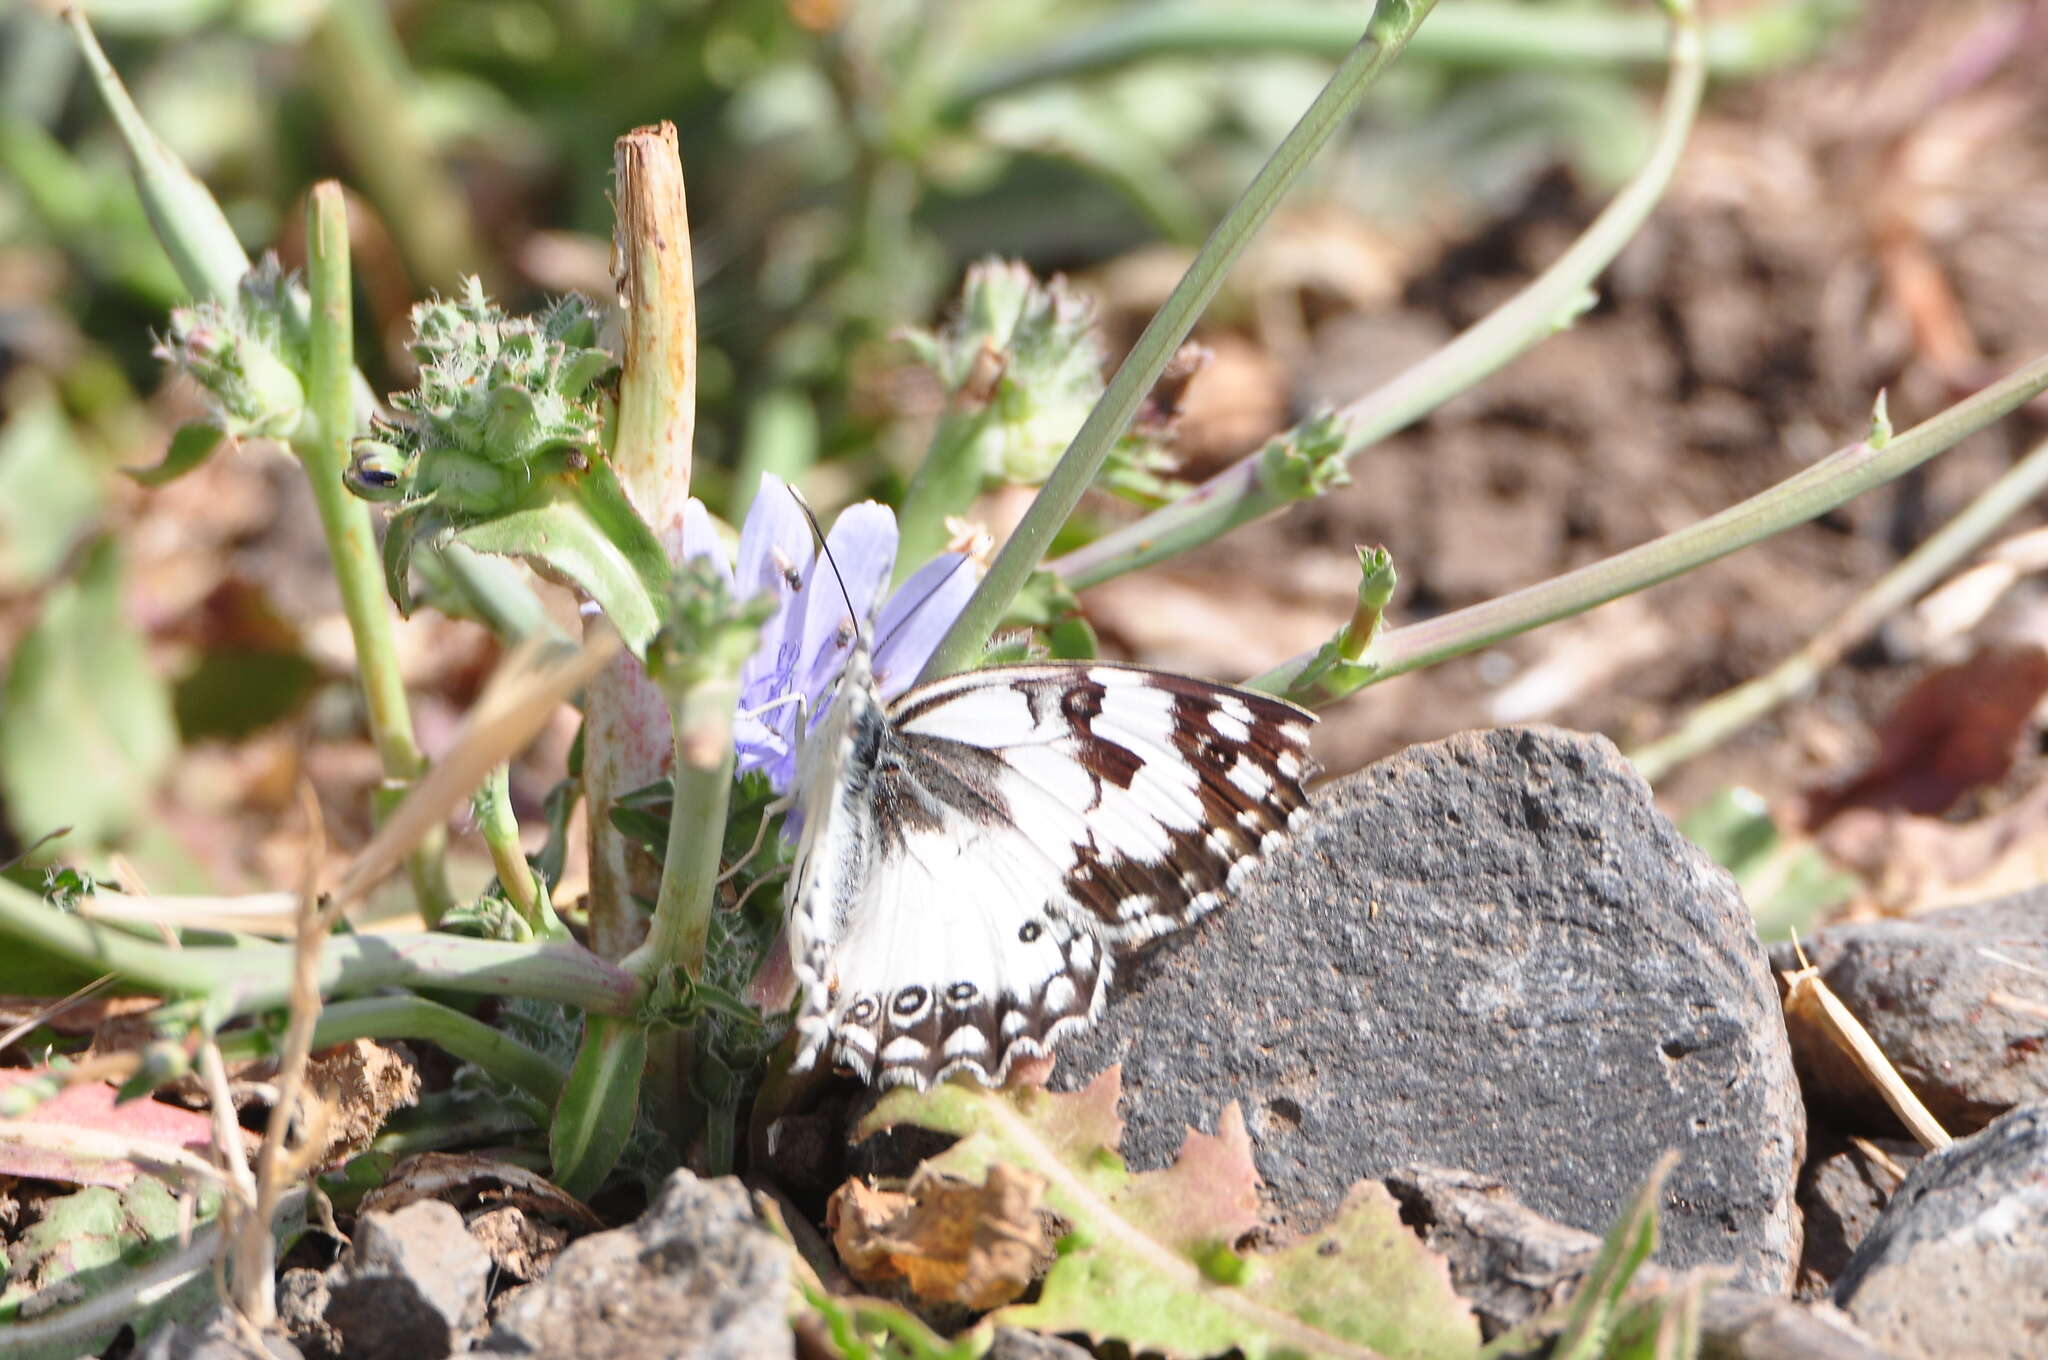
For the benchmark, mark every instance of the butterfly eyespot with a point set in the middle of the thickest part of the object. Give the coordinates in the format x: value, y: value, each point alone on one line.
x: 960, y: 993
x: 862, y: 1011
x: 1030, y: 932
x: 910, y: 1001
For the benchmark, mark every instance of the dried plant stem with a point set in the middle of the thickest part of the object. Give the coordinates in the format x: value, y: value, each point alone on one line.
x: 1808, y: 996
x: 627, y: 743
x: 1386, y: 34
x: 1722, y: 716
x: 1246, y: 491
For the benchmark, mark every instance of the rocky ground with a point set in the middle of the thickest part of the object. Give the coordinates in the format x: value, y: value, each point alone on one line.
x: 1493, y: 976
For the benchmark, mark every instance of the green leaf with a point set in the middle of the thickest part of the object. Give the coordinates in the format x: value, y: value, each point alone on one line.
x: 1152, y: 1259
x: 568, y: 542
x: 192, y: 445
x: 85, y: 729
x: 1595, y: 1312
x: 598, y: 1107
x: 48, y: 494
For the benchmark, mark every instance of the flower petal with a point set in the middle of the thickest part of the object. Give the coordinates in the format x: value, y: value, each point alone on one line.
x: 775, y: 547
x: 863, y: 549
x: 700, y: 539
x: 775, y: 541
x: 917, y: 617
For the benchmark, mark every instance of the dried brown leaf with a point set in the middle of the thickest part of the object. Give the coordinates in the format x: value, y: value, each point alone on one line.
x: 943, y: 1239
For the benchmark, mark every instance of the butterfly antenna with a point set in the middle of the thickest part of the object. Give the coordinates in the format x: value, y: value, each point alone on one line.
x: 825, y: 549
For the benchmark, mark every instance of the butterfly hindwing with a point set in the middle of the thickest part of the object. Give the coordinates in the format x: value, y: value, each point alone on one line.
x: 974, y: 855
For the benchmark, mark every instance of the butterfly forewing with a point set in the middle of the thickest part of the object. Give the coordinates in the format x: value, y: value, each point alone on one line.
x: 979, y: 850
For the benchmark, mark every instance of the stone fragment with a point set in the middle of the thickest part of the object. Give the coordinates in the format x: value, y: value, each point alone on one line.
x: 1492, y: 952
x: 697, y: 1276
x: 1513, y: 1264
x: 414, y: 1284
x: 1958, y: 1000
x: 1958, y: 1264
x: 1841, y: 1195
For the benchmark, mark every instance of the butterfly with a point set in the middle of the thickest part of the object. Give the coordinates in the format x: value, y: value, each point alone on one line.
x: 977, y: 853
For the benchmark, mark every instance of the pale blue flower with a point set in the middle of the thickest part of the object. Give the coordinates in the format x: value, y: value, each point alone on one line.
x: 807, y: 639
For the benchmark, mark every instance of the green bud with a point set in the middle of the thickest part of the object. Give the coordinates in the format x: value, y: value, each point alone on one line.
x: 1306, y: 461
x: 705, y: 633
x: 237, y: 352
x: 376, y: 470
x: 1026, y: 358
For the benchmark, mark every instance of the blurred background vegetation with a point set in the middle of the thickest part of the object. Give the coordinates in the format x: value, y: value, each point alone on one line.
x: 847, y: 161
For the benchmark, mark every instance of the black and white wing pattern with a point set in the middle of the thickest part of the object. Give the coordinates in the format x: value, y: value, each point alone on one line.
x: 976, y: 854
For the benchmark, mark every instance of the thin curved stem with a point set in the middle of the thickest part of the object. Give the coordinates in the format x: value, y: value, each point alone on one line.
x: 1393, y: 22
x: 1841, y: 476
x: 1251, y: 488
x: 1722, y: 716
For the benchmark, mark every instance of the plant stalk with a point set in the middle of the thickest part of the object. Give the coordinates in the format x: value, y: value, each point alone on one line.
x: 257, y: 977
x: 1244, y: 492
x: 1840, y: 477
x: 1475, y: 34
x: 415, y: 1017
x: 1722, y: 716
x: 1388, y: 31
x: 627, y: 741
x: 323, y: 448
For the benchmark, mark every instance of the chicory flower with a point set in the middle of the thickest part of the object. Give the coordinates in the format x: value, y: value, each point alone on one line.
x: 807, y: 639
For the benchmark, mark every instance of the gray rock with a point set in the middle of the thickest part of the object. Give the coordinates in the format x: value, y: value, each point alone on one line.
x: 1841, y: 1196
x: 1014, y: 1343
x: 1490, y: 952
x: 696, y: 1276
x: 1513, y: 1265
x: 1958, y: 1264
x: 216, y: 1336
x: 302, y: 1298
x: 1958, y: 1000
x: 414, y: 1285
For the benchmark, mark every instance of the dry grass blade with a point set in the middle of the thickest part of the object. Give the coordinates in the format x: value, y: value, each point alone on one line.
x: 52, y: 1011
x: 1809, y: 998
x: 527, y: 689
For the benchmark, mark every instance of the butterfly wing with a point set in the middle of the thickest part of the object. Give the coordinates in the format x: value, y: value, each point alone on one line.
x: 992, y: 838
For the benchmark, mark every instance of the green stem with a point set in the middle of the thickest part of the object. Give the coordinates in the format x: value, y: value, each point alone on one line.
x: 702, y: 720
x: 1386, y: 34
x: 1842, y: 476
x: 323, y: 447
x: 1502, y: 36
x: 239, y: 980
x: 523, y: 887
x: 1246, y: 490
x: 1721, y: 717
x: 192, y: 228
x: 415, y: 1017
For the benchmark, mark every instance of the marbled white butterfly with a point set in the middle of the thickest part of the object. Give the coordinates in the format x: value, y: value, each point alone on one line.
x: 976, y: 854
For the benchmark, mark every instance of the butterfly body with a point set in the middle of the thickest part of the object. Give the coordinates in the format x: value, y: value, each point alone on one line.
x: 977, y: 853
